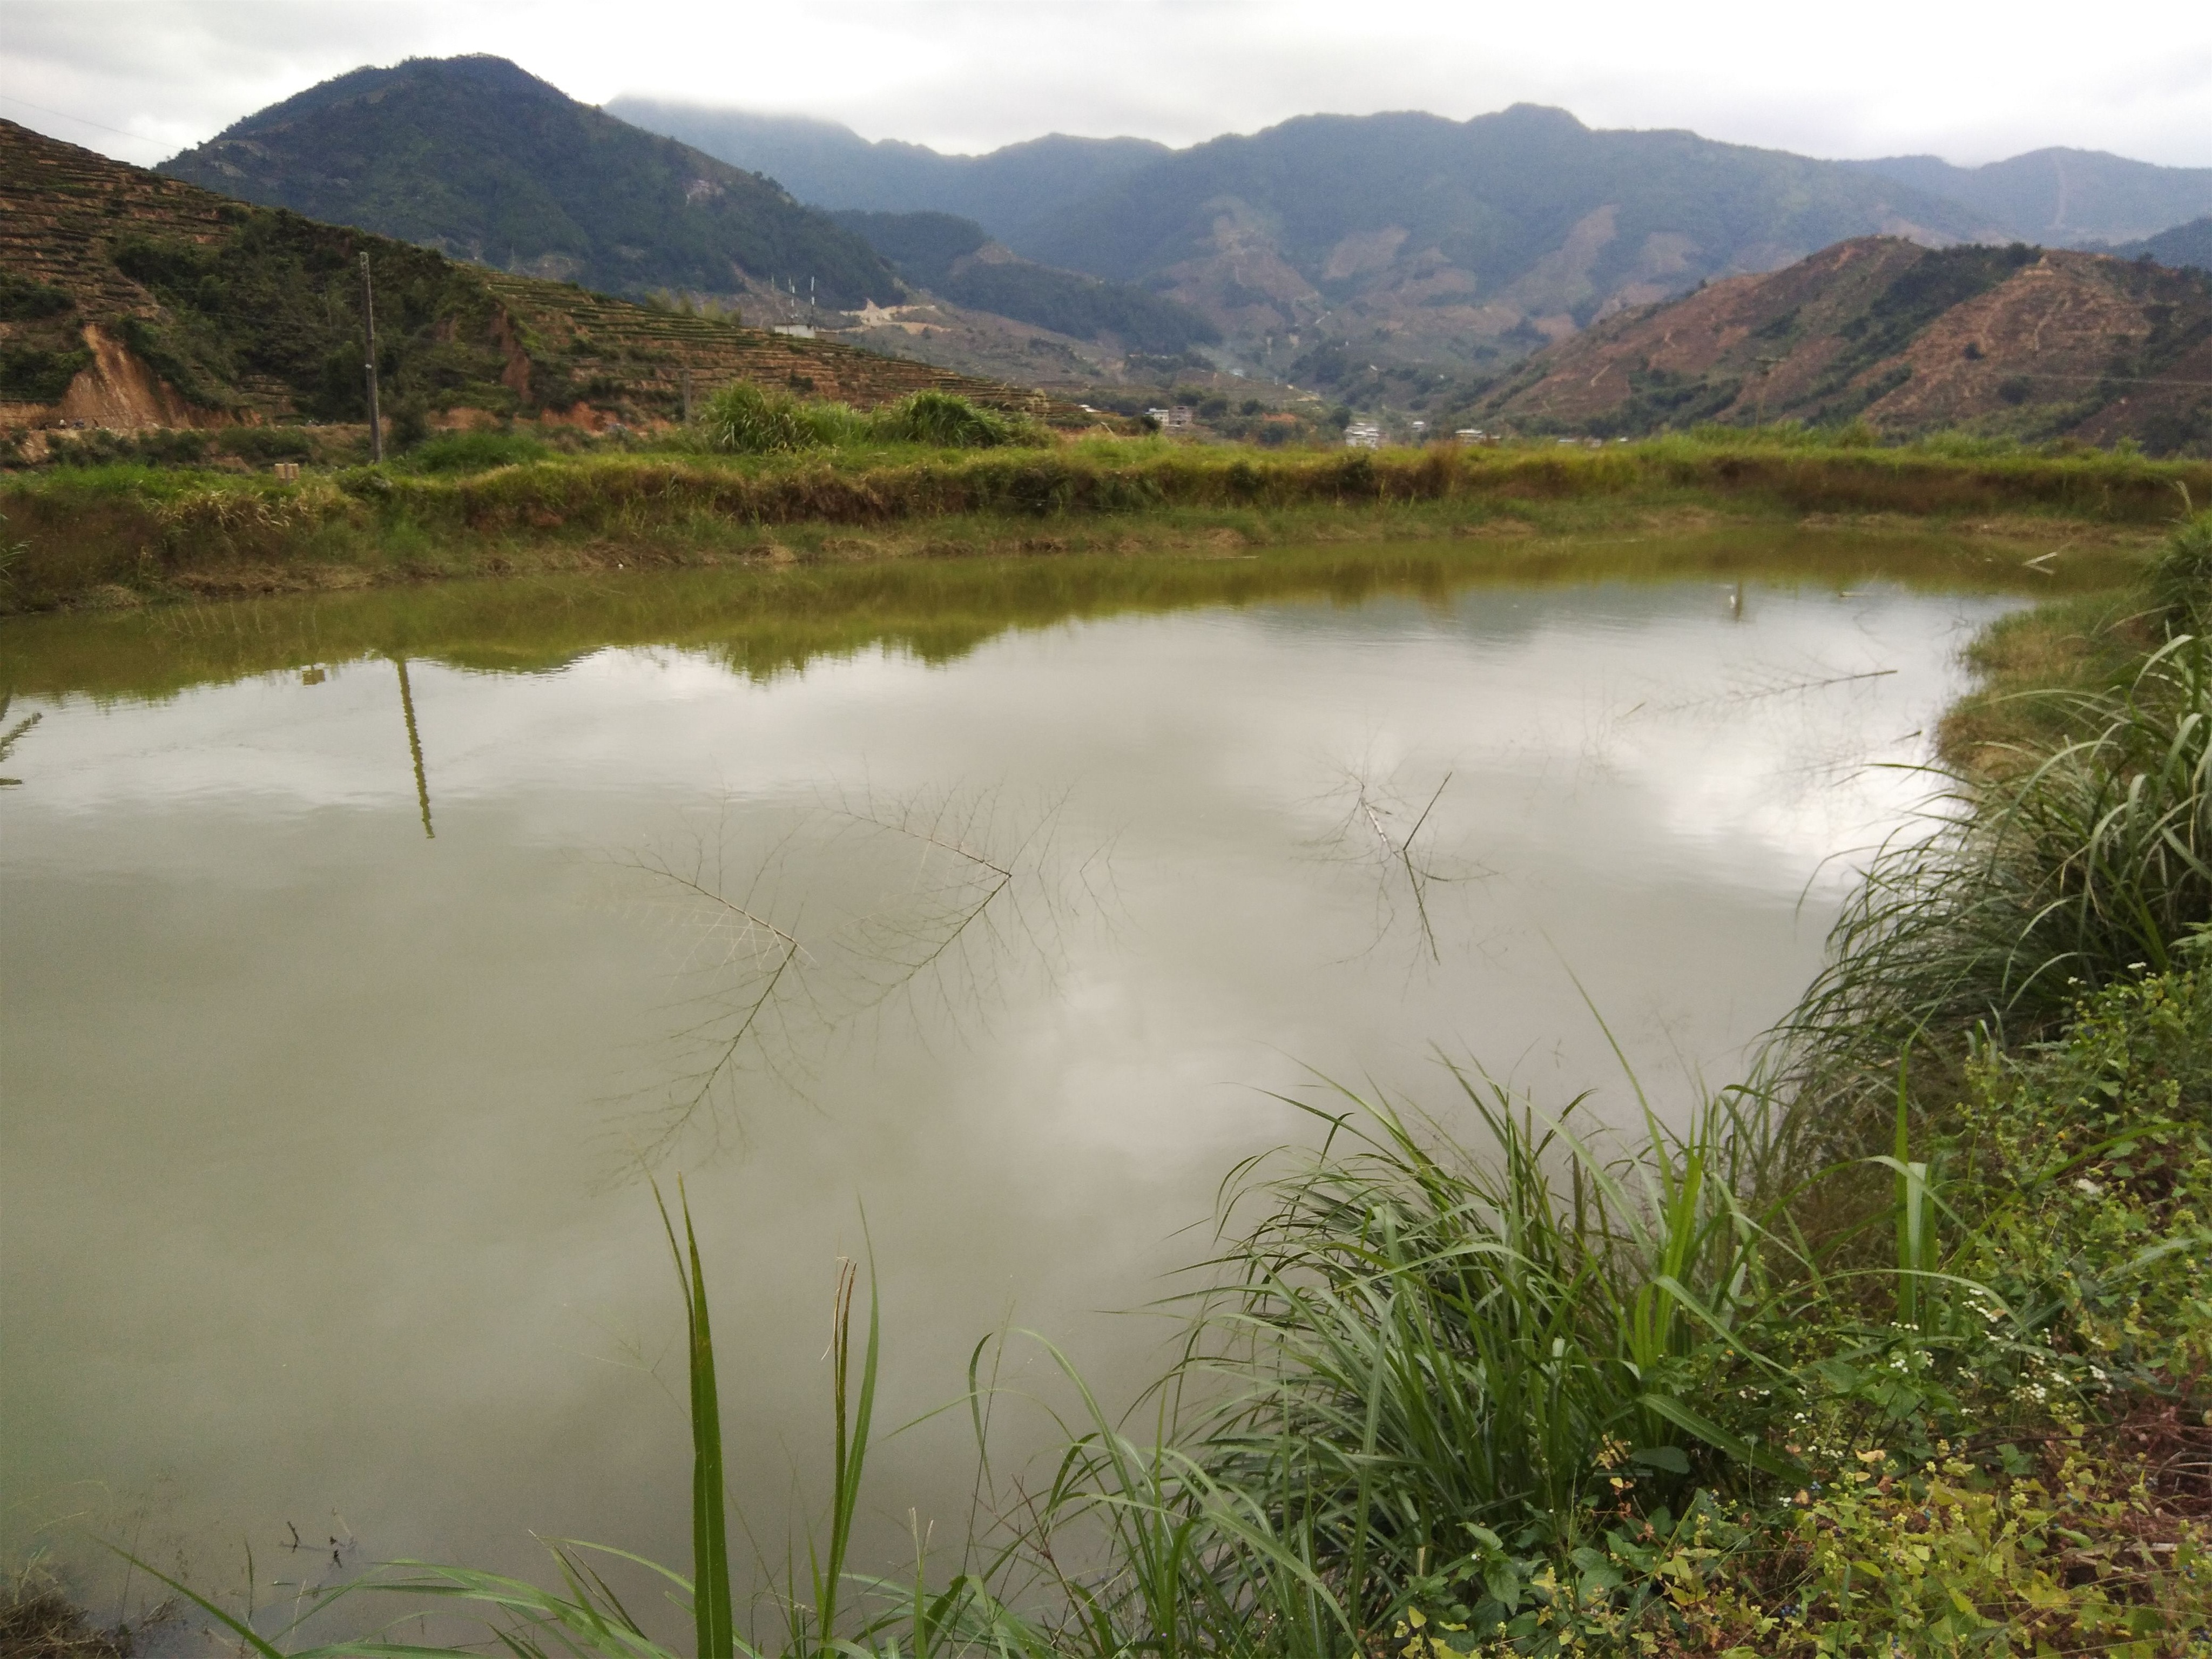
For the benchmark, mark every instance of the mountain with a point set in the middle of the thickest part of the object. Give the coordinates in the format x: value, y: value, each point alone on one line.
x: 2068, y: 198
x: 482, y: 160
x: 2185, y: 245
x: 1332, y: 242
x: 2018, y: 342
x: 1336, y: 250
x: 1008, y: 191
x: 128, y: 299
x: 957, y: 259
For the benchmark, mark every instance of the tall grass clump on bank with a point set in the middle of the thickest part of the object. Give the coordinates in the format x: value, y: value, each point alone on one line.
x: 746, y: 419
x: 2057, y: 867
x: 1431, y: 1369
x: 475, y: 452
x: 2181, y: 582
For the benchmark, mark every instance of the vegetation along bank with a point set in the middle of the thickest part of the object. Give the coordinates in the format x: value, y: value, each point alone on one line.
x: 119, y: 530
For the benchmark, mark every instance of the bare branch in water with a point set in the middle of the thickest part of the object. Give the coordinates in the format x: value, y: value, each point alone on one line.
x: 929, y: 905
x: 1404, y: 860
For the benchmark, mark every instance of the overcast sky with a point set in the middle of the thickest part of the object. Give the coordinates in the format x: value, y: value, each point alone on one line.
x: 142, y: 79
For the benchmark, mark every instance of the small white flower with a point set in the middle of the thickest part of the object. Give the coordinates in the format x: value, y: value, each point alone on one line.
x: 2086, y: 1185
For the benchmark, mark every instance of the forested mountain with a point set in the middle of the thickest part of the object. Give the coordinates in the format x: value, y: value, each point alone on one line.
x: 2066, y: 197
x: 1008, y: 190
x: 478, y: 159
x: 2185, y: 245
x: 957, y: 259
x: 130, y: 300
x: 2016, y: 342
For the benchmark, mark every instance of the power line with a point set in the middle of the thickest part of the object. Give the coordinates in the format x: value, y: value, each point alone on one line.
x: 10, y: 98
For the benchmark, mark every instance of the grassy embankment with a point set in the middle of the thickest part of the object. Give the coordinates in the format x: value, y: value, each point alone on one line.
x: 1900, y: 1348
x: 121, y: 533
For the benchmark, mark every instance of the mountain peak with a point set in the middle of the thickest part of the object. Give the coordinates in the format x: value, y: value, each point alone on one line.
x: 481, y: 159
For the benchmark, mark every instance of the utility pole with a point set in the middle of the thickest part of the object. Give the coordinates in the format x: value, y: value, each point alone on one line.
x: 687, y: 394
x: 368, y: 366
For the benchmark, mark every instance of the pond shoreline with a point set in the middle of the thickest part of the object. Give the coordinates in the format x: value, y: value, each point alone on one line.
x: 114, y: 536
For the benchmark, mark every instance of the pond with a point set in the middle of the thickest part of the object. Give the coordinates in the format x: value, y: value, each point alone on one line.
x: 362, y: 954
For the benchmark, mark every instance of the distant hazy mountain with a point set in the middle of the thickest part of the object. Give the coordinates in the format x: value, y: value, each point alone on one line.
x: 1331, y: 245
x: 1333, y: 249
x: 477, y: 159
x: 2070, y: 197
x: 2014, y: 341
x: 2188, y: 245
x: 955, y: 260
x: 1008, y: 190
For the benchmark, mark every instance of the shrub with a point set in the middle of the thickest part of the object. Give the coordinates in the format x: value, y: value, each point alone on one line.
x: 476, y: 452
x: 947, y: 422
x: 30, y: 375
x: 266, y: 443
x: 24, y: 300
x: 746, y: 419
x: 2181, y: 582
x: 157, y: 446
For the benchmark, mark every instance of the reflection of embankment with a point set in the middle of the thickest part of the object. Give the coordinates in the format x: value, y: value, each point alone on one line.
x: 765, y: 622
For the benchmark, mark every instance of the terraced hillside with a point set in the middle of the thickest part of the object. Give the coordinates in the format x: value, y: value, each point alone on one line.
x: 2017, y: 342
x: 130, y: 300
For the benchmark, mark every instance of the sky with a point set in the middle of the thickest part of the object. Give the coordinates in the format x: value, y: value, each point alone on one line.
x: 139, y: 80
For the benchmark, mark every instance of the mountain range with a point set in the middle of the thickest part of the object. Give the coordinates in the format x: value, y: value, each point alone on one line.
x: 482, y: 160
x: 1323, y: 252
x: 1330, y: 249
x: 128, y: 299
x: 1401, y: 259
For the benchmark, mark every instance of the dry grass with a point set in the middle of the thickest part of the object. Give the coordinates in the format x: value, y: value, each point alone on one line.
x: 37, y: 1621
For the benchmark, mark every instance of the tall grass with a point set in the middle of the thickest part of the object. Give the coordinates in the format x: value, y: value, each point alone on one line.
x: 1428, y: 1367
x: 2181, y: 582
x: 744, y: 418
x: 2073, y: 867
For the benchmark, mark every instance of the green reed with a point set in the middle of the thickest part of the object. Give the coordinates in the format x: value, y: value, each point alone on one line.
x: 744, y: 418
x: 2089, y: 860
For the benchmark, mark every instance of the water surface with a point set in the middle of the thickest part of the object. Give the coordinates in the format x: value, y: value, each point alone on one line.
x: 359, y: 954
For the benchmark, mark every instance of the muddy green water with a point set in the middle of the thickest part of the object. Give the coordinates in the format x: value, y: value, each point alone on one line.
x: 358, y: 953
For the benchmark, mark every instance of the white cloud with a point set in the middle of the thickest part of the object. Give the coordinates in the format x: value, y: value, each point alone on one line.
x: 140, y: 79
